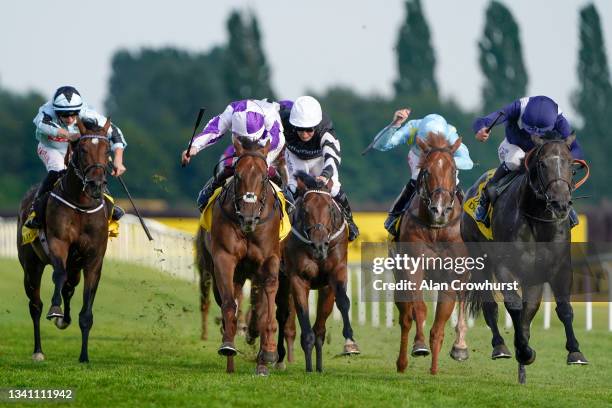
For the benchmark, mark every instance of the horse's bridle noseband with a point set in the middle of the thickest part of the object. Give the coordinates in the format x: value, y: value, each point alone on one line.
x: 75, y: 163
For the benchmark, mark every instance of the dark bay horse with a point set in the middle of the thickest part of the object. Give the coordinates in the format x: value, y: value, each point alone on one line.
x: 433, y: 217
x: 244, y: 244
x: 533, y: 209
x: 74, y: 238
x: 315, y: 257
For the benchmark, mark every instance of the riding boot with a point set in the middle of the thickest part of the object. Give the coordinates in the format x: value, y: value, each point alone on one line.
x: 342, y: 200
x: 289, y: 199
x: 481, y: 213
x: 40, y: 200
x: 573, y: 217
x: 118, y: 212
x: 209, y: 188
x: 398, y: 206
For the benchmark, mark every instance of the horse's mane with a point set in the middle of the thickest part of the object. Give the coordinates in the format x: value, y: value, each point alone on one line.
x: 309, y: 181
x: 248, y: 144
x: 552, y: 136
x: 434, y: 141
x: 92, y: 125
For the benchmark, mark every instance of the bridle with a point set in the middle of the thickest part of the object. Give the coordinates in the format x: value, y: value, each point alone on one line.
x: 249, y: 197
x: 77, y: 166
x: 540, y: 186
x: 304, y: 233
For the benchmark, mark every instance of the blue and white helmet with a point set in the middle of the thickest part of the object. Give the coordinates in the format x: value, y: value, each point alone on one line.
x: 67, y: 100
x: 248, y: 120
x: 432, y: 123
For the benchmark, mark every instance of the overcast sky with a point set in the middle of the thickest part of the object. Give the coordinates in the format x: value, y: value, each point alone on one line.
x: 309, y: 44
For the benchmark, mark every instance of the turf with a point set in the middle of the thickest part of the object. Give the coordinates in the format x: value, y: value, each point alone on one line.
x: 145, y: 351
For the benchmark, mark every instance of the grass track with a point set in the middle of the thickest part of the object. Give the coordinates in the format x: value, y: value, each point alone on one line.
x: 145, y: 351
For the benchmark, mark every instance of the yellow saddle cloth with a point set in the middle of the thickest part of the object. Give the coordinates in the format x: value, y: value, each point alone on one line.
x: 28, y: 235
x: 470, y: 204
x: 285, y: 227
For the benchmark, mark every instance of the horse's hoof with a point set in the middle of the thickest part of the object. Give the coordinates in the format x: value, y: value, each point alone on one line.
x: 351, y: 348
x: 526, y: 358
x: 38, y: 357
x: 267, y: 357
x: 250, y: 340
x: 419, y: 350
x: 227, y: 349
x: 500, y: 351
x: 262, y: 371
x: 576, y: 358
x: 61, y: 323
x: 280, y: 366
x: 459, y: 354
x: 55, y: 311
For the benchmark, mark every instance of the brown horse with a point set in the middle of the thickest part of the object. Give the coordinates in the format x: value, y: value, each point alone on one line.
x: 432, y: 218
x: 74, y: 237
x: 314, y: 257
x: 243, y: 243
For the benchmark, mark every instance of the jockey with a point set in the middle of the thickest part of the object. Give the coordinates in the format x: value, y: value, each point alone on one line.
x: 312, y: 147
x: 55, y: 128
x: 524, y: 117
x: 257, y: 120
x: 396, y: 134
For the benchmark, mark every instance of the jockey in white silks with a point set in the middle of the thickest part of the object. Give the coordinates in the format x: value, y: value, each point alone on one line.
x: 56, y: 126
x: 398, y: 133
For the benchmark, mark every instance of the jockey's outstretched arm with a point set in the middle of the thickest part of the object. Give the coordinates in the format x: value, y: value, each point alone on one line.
x: 394, y: 136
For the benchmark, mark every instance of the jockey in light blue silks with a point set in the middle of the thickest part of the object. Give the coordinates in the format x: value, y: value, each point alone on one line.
x: 524, y: 117
x: 56, y: 126
x: 398, y: 133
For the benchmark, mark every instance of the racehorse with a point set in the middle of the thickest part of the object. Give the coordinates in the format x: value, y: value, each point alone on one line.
x: 534, y: 208
x: 432, y: 218
x: 74, y: 237
x: 314, y: 257
x: 243, y: 243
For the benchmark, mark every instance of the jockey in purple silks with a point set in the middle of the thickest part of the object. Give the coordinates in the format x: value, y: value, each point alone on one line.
x: 256, y: 120
x: 524, y: 118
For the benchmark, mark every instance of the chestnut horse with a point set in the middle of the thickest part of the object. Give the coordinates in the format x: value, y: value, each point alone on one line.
x: 74, y: 237
x: 243, y: 243
x: 314, y: 257
x: 432, y: 218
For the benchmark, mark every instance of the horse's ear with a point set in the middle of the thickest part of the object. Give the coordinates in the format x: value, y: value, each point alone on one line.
x: 301, y: 187
x: 570, y: 139
x: 237, y: 146
x: 422, y: 144
x: 329, y: 184
x: 456, y: 145
x: 81, y: 126
x: 537, y: 140
x: 107, y: 125
x: 266, y: 148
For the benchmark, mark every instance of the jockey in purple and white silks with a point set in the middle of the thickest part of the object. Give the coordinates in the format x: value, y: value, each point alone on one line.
x: 256, y: 120
x: 397, y: 134
x: 524, y: 117
x: 55, y: 127
x: 312, y: 147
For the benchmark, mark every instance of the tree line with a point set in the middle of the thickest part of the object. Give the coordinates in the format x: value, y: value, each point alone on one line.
x: 154, y: 95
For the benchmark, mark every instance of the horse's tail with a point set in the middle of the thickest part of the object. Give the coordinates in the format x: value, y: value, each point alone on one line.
x: 476, y: 298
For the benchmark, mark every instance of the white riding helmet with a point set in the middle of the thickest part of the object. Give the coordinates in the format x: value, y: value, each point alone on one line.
x: 306, y: 112
x: 67, y: 99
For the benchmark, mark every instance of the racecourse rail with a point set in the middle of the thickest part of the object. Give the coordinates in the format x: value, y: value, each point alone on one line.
x: 172, y: 252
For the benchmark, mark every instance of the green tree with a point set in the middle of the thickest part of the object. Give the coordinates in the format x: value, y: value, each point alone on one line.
x: 416, y: 60
x: 501, y: 59
x: 594, y: 97
x: 247, y: 73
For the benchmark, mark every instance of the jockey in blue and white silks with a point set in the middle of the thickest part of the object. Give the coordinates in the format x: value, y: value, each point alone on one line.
x: 523, y: 118
x: 256, y: 120
x: 398, y: 133
x: 56, y: 126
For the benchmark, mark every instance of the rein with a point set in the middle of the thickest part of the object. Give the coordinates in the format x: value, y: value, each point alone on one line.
x: 304, y: 235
